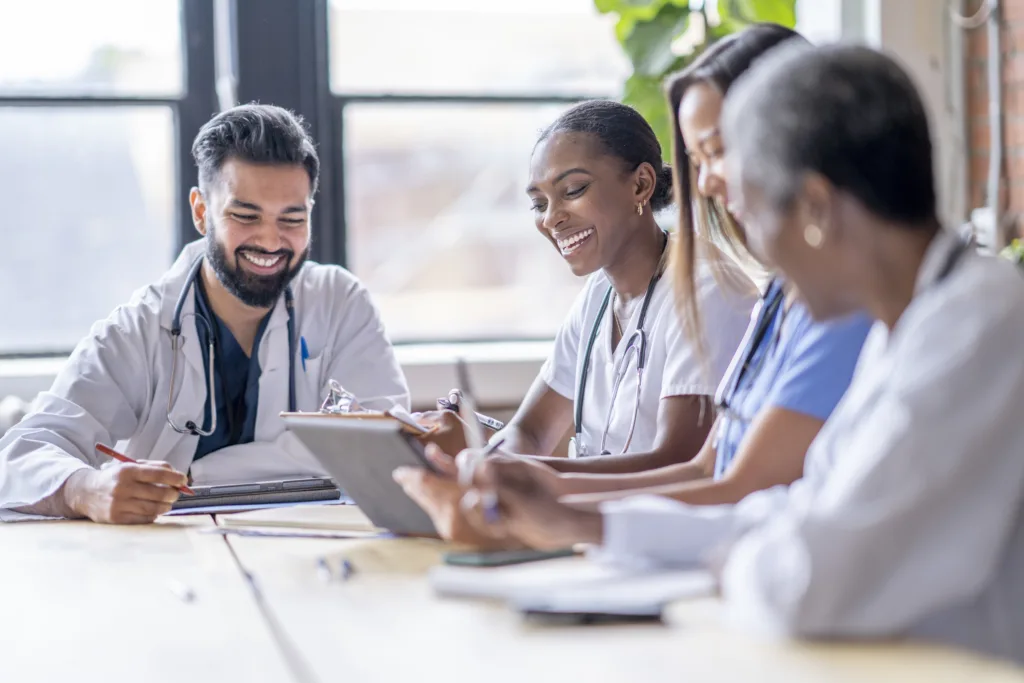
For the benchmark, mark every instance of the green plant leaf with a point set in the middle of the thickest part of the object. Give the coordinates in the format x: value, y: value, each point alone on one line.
x: 642, y: 10
x: 740, y: 13
x: 649, y: 43
x: 644, y: 94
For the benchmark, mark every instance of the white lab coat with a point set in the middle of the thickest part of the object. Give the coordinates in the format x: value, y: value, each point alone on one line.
x: 115, y: 386
x: 909, y: 520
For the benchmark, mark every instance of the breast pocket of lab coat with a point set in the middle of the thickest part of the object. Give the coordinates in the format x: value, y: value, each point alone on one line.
x: 310, y: 384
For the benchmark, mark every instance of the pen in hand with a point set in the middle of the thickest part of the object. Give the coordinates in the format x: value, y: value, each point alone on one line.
x: 489, y: 498
x: 120, y: 457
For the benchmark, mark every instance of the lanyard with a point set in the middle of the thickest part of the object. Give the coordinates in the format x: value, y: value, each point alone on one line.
x: 641, y: 353
x: 770, y: 306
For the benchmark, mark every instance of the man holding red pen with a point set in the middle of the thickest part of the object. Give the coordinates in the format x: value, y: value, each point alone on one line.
x: 195, y: 370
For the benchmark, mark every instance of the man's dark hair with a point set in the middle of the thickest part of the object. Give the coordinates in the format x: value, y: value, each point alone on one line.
x: 258, y: 134
x: 622, y: 132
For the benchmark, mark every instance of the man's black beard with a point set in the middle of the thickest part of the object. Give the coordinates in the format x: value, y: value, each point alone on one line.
x: 258, y: 291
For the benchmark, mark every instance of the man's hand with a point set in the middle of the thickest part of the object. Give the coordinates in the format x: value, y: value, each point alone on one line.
x: 124, y: 493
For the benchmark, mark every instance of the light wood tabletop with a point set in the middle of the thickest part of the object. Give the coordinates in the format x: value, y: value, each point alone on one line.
x: 88, y: 602
x: 171, y: 602
x: 384, y: 623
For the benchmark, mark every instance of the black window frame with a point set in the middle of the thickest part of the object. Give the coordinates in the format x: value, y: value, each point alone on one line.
x: 303, y: 84
x: 279, y: 54
x: 190, y: 110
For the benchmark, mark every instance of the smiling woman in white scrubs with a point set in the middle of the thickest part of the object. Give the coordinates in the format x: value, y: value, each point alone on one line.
x: 909, y: 520
x: 596, y: 181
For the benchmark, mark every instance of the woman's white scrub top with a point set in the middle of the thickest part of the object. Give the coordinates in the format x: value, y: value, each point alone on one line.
x: 674, y: 368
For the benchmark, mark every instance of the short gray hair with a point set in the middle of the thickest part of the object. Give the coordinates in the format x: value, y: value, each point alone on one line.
x: 849, y: 113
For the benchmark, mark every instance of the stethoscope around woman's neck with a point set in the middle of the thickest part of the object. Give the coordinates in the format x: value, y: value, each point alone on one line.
x: 636, y: 343
x: 176, y: 343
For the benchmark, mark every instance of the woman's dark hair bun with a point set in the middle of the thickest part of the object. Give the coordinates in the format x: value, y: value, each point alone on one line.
x: 662, y: 197
x: 623, y: 133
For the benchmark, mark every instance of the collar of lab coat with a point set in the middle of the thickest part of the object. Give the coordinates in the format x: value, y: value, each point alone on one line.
x: 273, y: 348
x: 935, y: 259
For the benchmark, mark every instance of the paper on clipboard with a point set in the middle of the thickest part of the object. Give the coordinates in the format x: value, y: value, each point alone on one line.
x: 400, y: 415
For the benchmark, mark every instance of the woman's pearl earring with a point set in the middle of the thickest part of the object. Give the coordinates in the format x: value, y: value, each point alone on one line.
x: 813, y: 236
x: 639, y: 208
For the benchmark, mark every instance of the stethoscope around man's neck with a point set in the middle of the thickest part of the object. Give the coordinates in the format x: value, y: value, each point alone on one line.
x: 176, y: 342
x: 636, y: 344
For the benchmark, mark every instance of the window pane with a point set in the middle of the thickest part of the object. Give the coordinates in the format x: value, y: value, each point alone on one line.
x: 73, y: 47
x: 439, y: 224
x: 474, y: 46
x: 89, y: 217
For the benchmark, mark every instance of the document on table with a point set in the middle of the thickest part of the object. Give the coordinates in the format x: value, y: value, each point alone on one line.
x: 642, y: 593
x: 572, y: 585
x: 322, y: 517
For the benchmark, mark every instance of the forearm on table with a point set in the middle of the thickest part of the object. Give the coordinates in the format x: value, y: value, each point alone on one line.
x: 679, y: 473
x: 706, y: 491
x: 518, y: 441
x: 62, y: 502
x: 630, y: 463
x: 702, y: 492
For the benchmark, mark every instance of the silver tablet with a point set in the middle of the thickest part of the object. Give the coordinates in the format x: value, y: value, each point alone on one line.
x: 360, y: 456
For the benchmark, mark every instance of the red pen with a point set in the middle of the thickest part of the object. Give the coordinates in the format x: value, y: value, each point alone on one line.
x: 106, y: 450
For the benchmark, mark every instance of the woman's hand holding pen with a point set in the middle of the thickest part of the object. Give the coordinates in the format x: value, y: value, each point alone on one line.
x: 509, y: 499
x: 448, y: 430
x: 439, y: 494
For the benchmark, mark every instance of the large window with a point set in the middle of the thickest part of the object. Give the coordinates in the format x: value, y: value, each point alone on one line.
x: 425, y: 113
x: 90, y: 101
x: 441, y: 104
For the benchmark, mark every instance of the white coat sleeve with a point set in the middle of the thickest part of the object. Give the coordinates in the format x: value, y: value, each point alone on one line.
x: 98, y: 397
x: 362, y: 359
x: 916, y: 511
x: 651, y: 531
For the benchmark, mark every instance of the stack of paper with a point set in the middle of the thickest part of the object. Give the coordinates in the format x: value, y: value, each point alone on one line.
x: 322, y: 517
x: 574, y: 585
x: 502, y: 583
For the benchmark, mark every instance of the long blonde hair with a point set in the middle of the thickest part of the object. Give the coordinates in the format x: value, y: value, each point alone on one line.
x: 719, y: 236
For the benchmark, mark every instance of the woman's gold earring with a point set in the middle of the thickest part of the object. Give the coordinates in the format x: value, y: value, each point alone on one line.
x: 813, y: 236
x: 639, y: 208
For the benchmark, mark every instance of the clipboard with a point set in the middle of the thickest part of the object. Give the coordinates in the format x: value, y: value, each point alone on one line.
x: 407, y: 428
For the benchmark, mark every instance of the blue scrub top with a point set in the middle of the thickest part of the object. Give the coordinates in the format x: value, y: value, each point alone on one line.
x: 807, y: 369
x: 236, y: 382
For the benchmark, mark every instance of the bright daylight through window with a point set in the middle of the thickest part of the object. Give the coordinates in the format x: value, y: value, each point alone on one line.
x: 88, y: 190
x: 438, y: 223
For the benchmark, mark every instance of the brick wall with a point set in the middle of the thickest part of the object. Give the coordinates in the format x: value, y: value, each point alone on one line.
x: 976, y: 86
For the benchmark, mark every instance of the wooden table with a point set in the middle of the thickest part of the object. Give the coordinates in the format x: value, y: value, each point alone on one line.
x: 85, y: 602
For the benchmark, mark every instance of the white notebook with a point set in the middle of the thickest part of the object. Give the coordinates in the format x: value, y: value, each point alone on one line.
x: 573, y: 585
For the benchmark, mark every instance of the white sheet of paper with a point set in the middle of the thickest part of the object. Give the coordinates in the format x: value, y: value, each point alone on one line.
x: 622, y: 595
x: 504, y: 582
